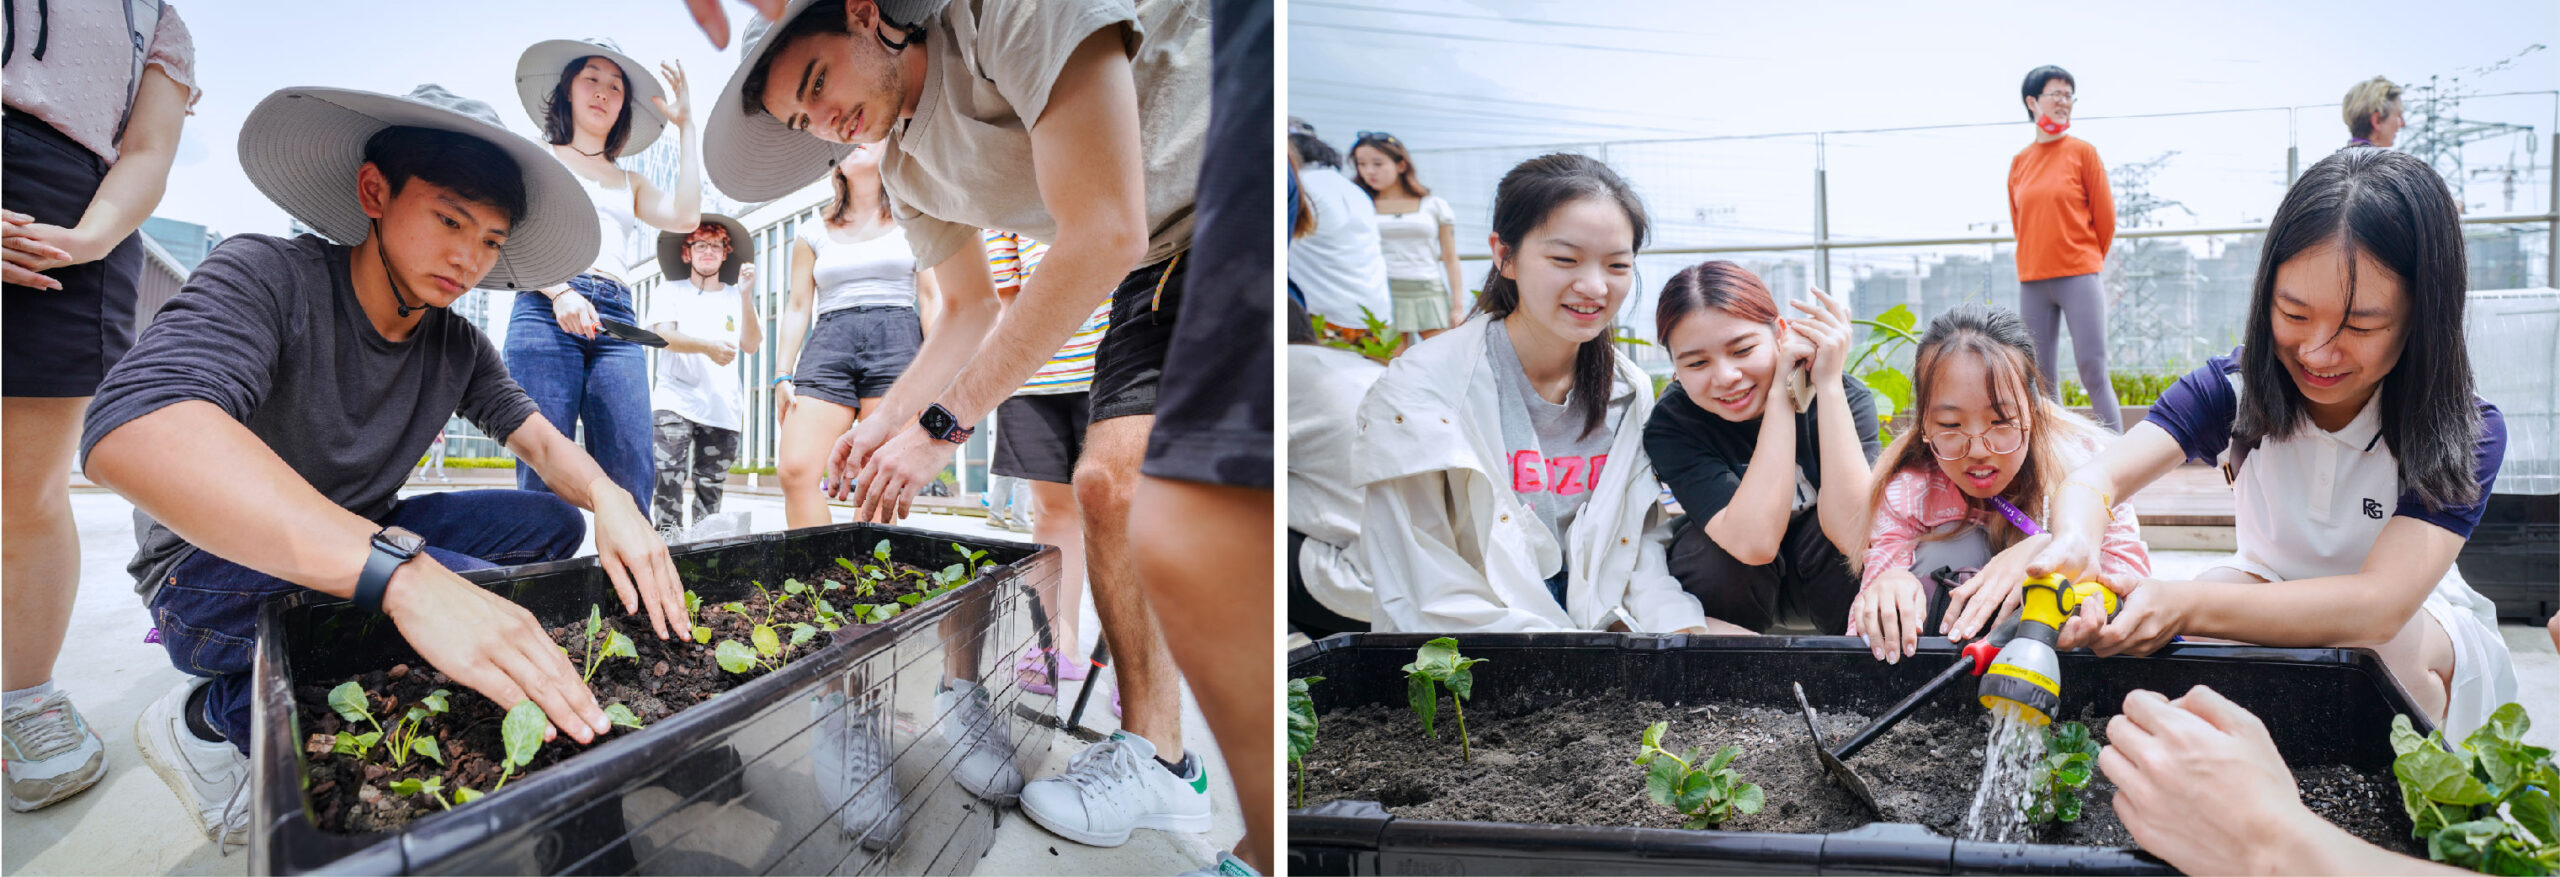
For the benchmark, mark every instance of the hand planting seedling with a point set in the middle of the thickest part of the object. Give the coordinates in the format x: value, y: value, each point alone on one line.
x: 522, y: 732
x: 2054, y: 786
x: 602, y: 643
x: 1438, y: 663
x: 1302, y: 729
x: 1708, y: 794
x: 407, y: 736
x: 2492, y: 805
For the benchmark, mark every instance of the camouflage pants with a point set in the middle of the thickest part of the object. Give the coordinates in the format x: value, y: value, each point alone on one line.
x: 689, y: 451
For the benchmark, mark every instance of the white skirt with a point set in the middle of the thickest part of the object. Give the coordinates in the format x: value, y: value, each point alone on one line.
x: 2484, y: 671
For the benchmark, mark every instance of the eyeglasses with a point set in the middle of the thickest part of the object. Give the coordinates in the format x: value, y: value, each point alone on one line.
x: 707, y: 245
x: 2065, y: 97
x: 1953, y: 444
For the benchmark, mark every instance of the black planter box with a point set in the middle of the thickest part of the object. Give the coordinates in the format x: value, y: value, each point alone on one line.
x: 2513, y: 557
x: 725, y: 787
x: 2324, y: 706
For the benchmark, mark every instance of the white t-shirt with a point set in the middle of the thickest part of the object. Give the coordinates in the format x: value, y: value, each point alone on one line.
x: 1411, y: 241
x: 690, y: 384
x: 877, y: 272
x: 1338, y: 266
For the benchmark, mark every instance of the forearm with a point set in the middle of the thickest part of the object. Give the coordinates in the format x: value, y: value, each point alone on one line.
x: 959, y: 332
x: 795, y: 330
x: 131, y: 189
x: 1457, y: 284
x: 253, y: 510
x: 1841, y: 501
x: 2358, y: 609
x: 1754, y: 521
x: 1071, y: 281
x: 750, y: 332
x: 678, y: 342
x: 683, y: 207
x: 2081, y: 501
x: 2314, y: 846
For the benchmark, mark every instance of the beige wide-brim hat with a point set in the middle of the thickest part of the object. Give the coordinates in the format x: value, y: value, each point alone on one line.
x: 671, y: 256
x: 538, y: 73
x: 753, y: 157
x: 302, y: 147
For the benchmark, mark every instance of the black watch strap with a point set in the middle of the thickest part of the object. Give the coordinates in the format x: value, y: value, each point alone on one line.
x: 376, y: 577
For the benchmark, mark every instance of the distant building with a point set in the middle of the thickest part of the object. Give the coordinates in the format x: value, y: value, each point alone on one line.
x: 186, y: 242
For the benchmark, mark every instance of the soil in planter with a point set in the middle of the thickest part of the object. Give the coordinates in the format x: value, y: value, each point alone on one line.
x: 349, y: 794
x: 1573, y: 763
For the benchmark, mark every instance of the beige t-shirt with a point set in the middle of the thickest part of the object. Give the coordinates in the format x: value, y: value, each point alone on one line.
x: 963, y: 162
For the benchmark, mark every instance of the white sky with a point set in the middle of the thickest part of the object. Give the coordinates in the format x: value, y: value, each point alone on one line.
x: 247, y: 50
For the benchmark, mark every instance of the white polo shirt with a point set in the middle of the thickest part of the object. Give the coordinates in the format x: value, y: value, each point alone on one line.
x: 2312, y: 504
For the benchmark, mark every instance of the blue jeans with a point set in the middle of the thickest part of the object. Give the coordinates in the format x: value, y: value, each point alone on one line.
x: 600, y: 380
x: 208, y: 610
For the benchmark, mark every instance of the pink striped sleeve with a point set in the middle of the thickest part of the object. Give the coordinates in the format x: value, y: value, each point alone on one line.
x: 2124, y: 555
x: 1896, y: 531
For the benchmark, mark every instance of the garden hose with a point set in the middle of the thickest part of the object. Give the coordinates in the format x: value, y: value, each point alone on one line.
x: 2027, y: 676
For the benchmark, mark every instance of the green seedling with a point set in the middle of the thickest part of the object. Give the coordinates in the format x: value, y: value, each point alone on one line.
x: 693, y: 609
x: 602, y: 643
x: 406, y: 735
x: 1302, y: 729
x: 1438, y: 663
x: 432, y: 787
x: 1708, y: 794
x: 2491, y: 804
x: 621, y: 715
x: 1381, y: 344
x: 522, y: 733
x: 738, y: 657
x: 764, y: 643
x: 2055, y: 783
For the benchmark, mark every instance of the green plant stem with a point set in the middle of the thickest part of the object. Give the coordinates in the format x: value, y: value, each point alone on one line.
x: 1302, y: 782
x: 1465, y: 754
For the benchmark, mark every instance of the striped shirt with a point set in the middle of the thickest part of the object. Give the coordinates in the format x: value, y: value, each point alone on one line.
x: 1011, y: 258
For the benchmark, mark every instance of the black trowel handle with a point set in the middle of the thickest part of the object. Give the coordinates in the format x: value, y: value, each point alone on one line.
x: 1976, y: 656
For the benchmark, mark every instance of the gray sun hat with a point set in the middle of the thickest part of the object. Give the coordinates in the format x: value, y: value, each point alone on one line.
x: 671, y: 255
x: 302, y: 147
x: 538, y: 73
x: 752, y: 156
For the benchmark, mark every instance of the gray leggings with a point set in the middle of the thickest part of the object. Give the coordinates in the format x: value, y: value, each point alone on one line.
x: 2044, y: 304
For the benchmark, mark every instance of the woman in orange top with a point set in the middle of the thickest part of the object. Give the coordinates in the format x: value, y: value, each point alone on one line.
x: 2065, y: 217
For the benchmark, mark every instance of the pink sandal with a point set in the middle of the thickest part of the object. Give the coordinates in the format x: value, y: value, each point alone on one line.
x: 1033, y: 670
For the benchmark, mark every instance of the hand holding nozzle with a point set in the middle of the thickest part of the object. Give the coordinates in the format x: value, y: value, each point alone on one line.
x: 2027, y: 676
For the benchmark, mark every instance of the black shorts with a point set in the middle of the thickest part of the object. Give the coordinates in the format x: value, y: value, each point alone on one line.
x: 60, y: 343
x: 1041, y: 437
x: 1130, y: 359
x: 857, y: 353
x: 1213, y: 421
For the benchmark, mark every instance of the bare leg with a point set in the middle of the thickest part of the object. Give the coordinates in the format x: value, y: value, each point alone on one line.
x: 2421, y: 657
x: 809, y: 434
x: 1058, y: 522
x: 42, y: 565
x: 1106, y: 480
x: 1215, y: 578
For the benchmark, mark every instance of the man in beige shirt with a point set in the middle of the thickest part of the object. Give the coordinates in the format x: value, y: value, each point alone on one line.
x: 1077, y: 122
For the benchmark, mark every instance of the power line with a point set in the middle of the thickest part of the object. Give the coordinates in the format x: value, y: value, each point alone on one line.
x: 1477, y: 39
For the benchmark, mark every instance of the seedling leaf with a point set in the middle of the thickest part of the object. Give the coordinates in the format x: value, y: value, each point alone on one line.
x: 621, y: 715
x: 595, y: 619
x: 523, y: 732
x: 793, y: 586
x: 880, y: 552
x: 426, y: 746
x: 701, y: 634
x: 767, y: 642
x: 435, y: 701
x: 802, y: 633
x: 1424, y: 696
x: 735, y: 656
x: 465, y: 795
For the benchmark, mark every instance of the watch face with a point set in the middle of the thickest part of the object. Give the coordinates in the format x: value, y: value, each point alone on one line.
x: 402, y: 540
x: 936, y: 421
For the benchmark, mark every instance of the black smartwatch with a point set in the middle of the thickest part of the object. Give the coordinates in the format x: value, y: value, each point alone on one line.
x: 938, y: 422
x: 391, y: 548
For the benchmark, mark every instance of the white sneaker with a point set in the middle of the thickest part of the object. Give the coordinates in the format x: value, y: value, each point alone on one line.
x: 52, y: 753
x: 851, y: 757
x: 1115, y: 786
x: 986, y: 767
x: 212, y: 779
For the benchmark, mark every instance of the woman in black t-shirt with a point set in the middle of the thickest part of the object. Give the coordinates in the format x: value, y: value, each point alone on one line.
x: 1760, y: 541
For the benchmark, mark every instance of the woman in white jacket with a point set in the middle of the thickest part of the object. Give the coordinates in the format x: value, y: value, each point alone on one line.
x: 1505, y: 457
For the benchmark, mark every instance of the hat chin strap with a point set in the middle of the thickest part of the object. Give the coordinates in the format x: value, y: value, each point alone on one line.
x: 391, y: 277
x: 914, y: 33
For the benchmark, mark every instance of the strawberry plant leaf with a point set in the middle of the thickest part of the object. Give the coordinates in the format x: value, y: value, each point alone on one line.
x: 735, y: 657
x: 522, y: 731
x: 1662, y: 783
x: 349, y: 700
x: 1748, y: 799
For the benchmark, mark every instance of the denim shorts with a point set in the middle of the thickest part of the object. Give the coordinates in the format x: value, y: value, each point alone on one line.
x: 857, y: 353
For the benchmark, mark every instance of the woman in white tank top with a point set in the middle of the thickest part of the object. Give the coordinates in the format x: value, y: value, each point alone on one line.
x: 596, y: 104
x: 854, y: 269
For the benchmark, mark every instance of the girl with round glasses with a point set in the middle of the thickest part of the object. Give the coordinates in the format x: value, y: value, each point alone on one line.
x: 1969, y: 487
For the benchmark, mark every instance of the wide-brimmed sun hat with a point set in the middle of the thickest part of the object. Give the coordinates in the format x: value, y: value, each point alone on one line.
x: 302, y: 148
x: 673, y: 265
x: 538, y: 72
x: 754, y: 157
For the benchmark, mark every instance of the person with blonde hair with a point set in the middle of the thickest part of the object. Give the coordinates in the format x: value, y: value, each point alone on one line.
x: 2372, y: 110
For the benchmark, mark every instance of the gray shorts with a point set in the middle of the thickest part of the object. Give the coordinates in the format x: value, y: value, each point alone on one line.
x: 857, y: 353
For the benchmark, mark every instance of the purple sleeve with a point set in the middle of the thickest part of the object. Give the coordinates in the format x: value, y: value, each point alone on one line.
x: 2486, y: 457
x: 2199, y: 408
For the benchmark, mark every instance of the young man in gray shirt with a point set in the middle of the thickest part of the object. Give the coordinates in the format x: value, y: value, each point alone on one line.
x: 313, y: 375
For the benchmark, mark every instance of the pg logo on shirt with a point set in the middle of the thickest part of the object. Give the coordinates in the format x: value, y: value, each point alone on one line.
x: 1533, y: 472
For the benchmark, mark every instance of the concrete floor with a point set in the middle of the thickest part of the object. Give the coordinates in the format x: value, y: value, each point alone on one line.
x: 131, y: 824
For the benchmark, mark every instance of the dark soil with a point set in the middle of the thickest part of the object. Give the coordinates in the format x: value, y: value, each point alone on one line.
x: 1573, y: 763
x: 348, y: 794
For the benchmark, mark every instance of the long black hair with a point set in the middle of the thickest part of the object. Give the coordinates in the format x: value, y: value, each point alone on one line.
x: 1521, y: 202
x: 2394, y: 208
x: 558, y: 115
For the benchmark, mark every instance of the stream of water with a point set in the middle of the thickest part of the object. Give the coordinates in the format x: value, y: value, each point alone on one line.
x: 2008, y: 761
